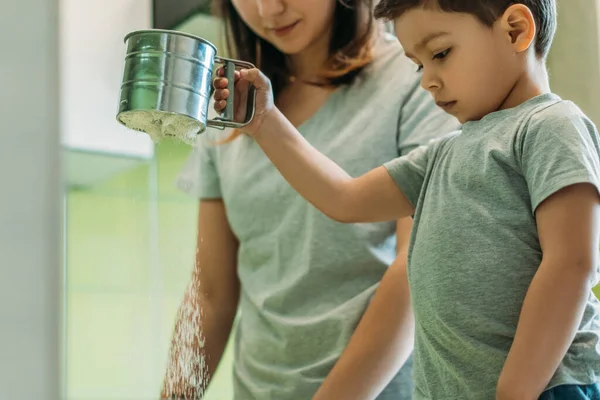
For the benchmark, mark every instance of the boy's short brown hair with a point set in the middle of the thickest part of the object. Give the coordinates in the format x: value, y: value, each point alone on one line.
x: 487, y: 11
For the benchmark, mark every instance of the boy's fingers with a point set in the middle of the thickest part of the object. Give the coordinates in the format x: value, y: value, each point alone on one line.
x: 255, y: 77
x: 221, y: 73
x: 220, y: 83
x: 220, y: 105
x: 221, y: 94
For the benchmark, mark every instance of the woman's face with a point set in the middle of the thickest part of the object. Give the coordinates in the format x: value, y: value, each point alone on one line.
x: 291, y: 26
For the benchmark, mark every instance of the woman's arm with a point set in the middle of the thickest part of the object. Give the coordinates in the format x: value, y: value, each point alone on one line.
x: 206, y: 315
x: 383, y: 340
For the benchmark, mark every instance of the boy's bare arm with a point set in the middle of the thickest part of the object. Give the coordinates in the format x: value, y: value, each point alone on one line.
x: 569, y: 229
x: 372, y: 197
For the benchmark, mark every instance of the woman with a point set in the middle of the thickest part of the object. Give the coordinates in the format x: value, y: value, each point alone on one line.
x: 301, y: 281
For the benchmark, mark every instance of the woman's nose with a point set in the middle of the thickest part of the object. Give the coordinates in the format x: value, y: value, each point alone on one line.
x: 270, y: 8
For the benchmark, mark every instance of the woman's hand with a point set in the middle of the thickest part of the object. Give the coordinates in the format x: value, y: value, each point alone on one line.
x: 243, y: 79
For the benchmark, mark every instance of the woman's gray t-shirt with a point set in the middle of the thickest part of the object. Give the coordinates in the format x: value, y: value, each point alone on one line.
x: 305, y: 279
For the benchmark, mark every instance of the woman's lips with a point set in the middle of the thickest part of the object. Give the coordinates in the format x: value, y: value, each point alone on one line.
x: 284, y: 29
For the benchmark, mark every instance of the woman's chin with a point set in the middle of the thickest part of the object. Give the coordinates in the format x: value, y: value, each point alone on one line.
x: 289, y: 47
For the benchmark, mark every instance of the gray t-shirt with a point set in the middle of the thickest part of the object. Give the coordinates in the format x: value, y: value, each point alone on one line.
x: 475, y: 248
x: 305, y: 279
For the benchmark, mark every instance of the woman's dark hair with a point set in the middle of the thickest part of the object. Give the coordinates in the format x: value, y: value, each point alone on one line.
x: 350, y: 49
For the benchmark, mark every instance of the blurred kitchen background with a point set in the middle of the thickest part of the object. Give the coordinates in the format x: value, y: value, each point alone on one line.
x: 129, y: 234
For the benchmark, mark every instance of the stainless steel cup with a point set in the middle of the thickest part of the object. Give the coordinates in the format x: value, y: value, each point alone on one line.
x: 172, y: 71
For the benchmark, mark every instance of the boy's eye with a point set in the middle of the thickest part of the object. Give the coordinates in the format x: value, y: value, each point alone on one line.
x: 441, y: 55
x: 438, y: 56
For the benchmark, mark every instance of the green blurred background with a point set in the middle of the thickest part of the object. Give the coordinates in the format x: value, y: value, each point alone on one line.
x: 130, y: 251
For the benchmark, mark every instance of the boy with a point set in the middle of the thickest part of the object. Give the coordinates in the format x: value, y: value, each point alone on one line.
x: 504, y: 250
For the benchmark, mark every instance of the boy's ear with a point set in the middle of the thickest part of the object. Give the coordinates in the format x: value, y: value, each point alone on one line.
x: 519, y: 24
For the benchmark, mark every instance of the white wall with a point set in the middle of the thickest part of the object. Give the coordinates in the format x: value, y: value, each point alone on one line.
x: 92, y: 56
x: 30, y: 202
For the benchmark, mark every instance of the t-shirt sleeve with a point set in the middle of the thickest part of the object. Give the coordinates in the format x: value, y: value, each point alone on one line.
x: 560, y: 147
x: 421, y: 120
x: 409, y: 172
x: 199, y: 176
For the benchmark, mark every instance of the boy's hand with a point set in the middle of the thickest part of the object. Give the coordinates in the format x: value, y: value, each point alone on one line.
x: 243, y: 79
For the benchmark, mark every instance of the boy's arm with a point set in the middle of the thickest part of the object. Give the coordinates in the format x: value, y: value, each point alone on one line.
x: 372, y: 197
x: 569, y: 228
x: 383, y: 340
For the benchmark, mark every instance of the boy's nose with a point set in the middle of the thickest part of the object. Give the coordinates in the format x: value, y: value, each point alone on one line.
x: 430, y: 81
x: 270, y: 8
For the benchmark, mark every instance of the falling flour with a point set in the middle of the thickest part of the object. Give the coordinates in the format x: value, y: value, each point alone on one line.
x: 160, y: 124
x: 187, y: 375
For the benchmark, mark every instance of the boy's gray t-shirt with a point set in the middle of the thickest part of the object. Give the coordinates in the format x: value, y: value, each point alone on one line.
x: 475, y: 248
x: 305, y: 279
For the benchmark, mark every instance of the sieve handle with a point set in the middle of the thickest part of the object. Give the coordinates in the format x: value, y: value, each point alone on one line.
x: 226, y: 120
